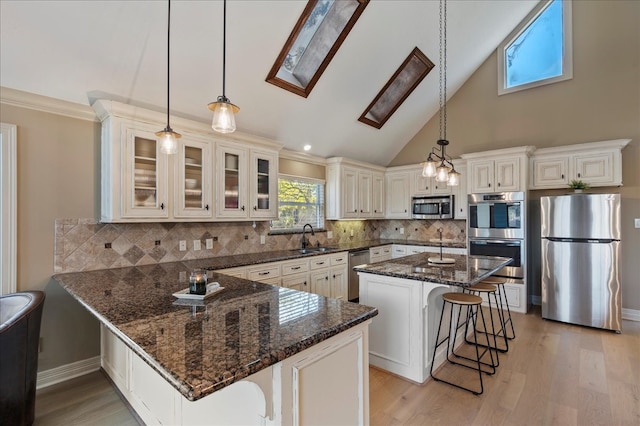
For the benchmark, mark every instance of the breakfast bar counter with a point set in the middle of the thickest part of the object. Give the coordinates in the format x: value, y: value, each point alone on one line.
x: 202, y: 346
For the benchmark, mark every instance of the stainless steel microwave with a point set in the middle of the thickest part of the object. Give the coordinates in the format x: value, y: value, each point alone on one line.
x: 435, y: 207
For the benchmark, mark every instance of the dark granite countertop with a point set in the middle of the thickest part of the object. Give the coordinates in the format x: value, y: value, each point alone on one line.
x: 203, y: 346
x: 223, y: 262
x: 466, y: 271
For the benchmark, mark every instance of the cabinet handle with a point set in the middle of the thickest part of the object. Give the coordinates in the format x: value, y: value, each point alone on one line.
x: 426, y: 188
x: 360, y: 211
x: 355, y: 211
x: 405, y: 210
x: 320, y: 263
x: 255, y: 208
x: 305, y: 283
x: 263, y: 273
x: 498, y: 183
x: 242, y: 208
x: 207, y: 207
x: 162, y: 206
x: 327, y: 278
x: 334, y: 276
x: 339, y: 260
x: 562, y: 176
x: 295, y: 268
x: 578, y: 174
x: 489, y: 184
x: 375, y: 211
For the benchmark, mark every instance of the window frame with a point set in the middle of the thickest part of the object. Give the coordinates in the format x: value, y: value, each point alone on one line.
x: 320, y: 182
x: 567, y: 48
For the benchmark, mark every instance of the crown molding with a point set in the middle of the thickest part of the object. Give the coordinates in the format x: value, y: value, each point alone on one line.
x: 36, y: 102
x: 288, y: 154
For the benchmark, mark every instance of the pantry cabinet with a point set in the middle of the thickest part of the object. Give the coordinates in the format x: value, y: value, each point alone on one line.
x: 498, y: 170
x: 595, y: 163
x: 354, y: 190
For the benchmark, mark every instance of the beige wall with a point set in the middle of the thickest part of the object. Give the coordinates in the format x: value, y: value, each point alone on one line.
x: 58, y: 176
x: 299, y: 168
x: 601, y: 102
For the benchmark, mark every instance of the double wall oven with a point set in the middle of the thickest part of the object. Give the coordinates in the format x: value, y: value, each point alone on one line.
x: 496, y: 226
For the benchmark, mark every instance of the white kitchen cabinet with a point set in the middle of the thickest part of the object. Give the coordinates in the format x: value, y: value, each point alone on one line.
x: 378, y: 195
x: 500, y: 170
x: 193, y: 189
x: 238, y: 164
x: 354, y: 190
x: 329, y: 275
x: 380, y: 253
x: 426, y: 186
x: 268, y: 273
x: 398, y: 250
x: 460, y: 201
x: 239, y: 272
x: 295, y: 274
x: 595, y: 163
x: 398, y: 195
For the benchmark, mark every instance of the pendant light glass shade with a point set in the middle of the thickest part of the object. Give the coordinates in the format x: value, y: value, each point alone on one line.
x: 442, y: 173
x: 454, y: 178
x: 224, y: 120
x: 168, y: 141
x: 429, y: 169
x: 168, y: 138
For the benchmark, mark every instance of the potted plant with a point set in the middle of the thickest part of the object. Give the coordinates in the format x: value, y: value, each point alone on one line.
x: 578, y: 185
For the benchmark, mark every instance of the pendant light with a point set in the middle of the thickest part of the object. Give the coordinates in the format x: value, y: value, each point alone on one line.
x: 439, y: 164
x: 168, y: 138
x: 224, y: 111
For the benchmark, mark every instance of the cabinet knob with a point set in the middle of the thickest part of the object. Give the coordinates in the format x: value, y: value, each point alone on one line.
x: 405, y: 210
x: 426, y: 188
x: 489, y: 184
x: 242, y: 208
x: 162, y: 206
x: 498, y: 183
x: 207, y: 207
x: 255, y: 208
x: 327, y: 278
x: 334, y: 276
x: 578, y: 174
x: 562, y: 176
x: 360, y: 211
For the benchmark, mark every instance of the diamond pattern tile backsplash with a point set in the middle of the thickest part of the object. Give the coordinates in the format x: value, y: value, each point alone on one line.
x: 85, y: 244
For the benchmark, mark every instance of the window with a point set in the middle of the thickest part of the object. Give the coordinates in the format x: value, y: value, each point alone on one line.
x: 538, y: 51
x: 315, y: 39
x: 300, y: 201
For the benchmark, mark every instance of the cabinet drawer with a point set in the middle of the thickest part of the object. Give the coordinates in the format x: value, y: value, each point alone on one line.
x: 295, y: 266
x: 265, y: 272
x: 375, y: 251
x: 339, y: 259
x: 240, y: 272
x: 319, y: 262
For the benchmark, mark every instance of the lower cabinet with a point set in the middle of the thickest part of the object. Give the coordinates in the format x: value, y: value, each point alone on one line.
x: 325, y: 384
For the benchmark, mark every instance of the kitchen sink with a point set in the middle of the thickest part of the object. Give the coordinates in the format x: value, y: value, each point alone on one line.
x: 315, y: 250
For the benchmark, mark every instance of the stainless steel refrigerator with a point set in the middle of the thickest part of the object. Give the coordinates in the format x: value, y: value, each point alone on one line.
x: 580, y: 253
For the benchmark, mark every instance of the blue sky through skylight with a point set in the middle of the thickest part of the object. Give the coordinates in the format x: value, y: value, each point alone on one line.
x: 537, y: 53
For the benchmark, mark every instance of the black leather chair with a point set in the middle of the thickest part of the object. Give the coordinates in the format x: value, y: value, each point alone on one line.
x: 20, y: 317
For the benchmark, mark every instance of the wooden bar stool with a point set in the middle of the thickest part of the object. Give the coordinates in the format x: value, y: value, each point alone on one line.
x: 503, y: 294
x: 472, y: 304
x: 491, y: 290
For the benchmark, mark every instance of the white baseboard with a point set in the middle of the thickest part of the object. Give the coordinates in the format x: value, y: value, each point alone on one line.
x: 67, y: 372
x: 631, y: 314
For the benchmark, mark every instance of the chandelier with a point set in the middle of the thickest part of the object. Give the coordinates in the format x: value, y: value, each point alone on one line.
x: 438, y: 163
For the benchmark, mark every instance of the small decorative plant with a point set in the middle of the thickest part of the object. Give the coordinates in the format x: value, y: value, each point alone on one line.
x: 578, y: 184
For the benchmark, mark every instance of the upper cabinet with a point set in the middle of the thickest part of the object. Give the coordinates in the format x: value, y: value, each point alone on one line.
x: 398, y: 200
x: 423, y: 186
x: 460, y: 202
x: 498, y: 170
x: 140, y: 184
x: 596, y: 163
x: 354, y: 190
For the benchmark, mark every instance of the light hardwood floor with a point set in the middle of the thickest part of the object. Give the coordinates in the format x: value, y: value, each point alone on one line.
x: 553, y: 374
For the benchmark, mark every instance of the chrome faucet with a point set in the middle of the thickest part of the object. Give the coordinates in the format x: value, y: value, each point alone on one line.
x: 304, y: 240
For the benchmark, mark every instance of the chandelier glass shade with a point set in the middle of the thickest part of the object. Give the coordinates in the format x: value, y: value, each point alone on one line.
x: 224, y: 111
x: 168, y: 138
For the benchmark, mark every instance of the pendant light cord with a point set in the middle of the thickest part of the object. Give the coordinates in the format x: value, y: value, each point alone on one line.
x: 224, y: 48
x: 168, y: 58
x: 443, y: 69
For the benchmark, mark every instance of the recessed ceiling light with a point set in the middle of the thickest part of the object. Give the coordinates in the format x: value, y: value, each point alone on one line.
x: 306, y: 147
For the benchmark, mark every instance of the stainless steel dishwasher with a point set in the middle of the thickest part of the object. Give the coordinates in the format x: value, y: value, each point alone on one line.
x: 356, y: 258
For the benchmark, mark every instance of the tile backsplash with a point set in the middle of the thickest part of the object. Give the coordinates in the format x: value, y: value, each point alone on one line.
x: 85, y: 244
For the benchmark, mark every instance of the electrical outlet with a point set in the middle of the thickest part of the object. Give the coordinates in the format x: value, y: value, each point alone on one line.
x: 196, y: 245
x: 401, y: 231
x: 636, y: 222
x: 209, y: 243
x: 183, y: 245
x: 263, y: 239
x: 351, y: 232
x: 329, y: 234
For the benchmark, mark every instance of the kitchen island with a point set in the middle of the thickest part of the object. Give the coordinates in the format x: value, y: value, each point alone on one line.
x: 252, y: 353
x: 407, y: 292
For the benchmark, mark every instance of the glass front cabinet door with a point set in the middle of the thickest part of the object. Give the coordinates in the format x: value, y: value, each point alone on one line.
x: 232, y: 181
x: 193, y: 180
x: 145, y: 181
x: 264, y: 185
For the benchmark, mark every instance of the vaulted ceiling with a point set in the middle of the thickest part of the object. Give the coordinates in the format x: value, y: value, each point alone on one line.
x: 80, y: 51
